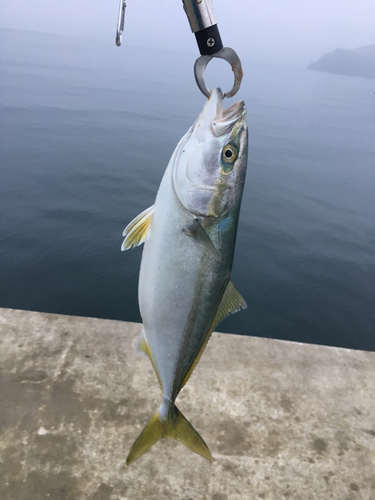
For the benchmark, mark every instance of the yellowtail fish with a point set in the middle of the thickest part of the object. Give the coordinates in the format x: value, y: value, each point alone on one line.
x: 184, y: 281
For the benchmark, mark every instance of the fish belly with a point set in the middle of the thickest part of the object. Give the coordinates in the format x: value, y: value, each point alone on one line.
x: 180, y: 287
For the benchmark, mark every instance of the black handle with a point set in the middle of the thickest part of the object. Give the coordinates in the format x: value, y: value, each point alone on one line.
x: 209, y: 40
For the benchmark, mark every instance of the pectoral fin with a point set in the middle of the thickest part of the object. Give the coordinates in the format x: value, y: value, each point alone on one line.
x: 137, y: 231
x: 195, y: 230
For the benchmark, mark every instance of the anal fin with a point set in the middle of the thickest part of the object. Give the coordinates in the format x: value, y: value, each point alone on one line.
x: 142, y: 349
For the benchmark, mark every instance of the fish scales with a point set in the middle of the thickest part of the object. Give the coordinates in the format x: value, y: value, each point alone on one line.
x: 184, y: 283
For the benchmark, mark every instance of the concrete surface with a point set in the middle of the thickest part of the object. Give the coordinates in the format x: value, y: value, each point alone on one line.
x: 283, y: 420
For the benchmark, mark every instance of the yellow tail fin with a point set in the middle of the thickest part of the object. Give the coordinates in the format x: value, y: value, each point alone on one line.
x: 176, y: 426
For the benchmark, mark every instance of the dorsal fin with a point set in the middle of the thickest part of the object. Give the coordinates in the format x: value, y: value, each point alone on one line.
x: 137, y: 231
x: 231, y: 302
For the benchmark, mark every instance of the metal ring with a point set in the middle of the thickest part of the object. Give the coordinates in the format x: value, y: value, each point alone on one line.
x: 228, y: 55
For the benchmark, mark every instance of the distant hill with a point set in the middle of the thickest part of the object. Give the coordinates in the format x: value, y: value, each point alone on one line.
x: 356, y: 62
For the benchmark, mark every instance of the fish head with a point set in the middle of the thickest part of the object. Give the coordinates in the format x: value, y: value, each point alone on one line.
x: 209, y: 170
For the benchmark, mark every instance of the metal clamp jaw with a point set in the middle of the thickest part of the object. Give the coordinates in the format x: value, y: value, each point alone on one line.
x: 228, y: 55
x: 203, y: 23
x: 202, y: 20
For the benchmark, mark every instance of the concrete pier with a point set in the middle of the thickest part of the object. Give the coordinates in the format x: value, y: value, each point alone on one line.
x: 284, y: 421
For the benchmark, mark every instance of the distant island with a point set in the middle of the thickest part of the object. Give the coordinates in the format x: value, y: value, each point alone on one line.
x: 356, y: 62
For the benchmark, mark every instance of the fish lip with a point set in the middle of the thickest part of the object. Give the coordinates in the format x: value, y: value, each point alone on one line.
x: 215, y: 118
x: 201, y: 187
x: 225, y: 123
x: 234, y: 111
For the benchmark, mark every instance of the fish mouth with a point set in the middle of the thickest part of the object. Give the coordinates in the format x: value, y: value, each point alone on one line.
x: 220, y: 121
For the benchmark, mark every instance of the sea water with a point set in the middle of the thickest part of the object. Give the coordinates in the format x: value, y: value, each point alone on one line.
x: 86, y: 132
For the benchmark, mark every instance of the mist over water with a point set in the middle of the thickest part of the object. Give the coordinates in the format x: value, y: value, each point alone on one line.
x: 86, y: 132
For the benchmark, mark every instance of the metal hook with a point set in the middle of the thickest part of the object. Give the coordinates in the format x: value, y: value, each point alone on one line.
x: 228, y: 55
x: 120, y: 22
x: 202, y: 20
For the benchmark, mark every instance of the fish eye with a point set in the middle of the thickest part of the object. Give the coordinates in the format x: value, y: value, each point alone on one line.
x: 229, y: 156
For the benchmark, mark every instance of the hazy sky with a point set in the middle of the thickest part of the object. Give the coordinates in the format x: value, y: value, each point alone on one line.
x: 273, y: 31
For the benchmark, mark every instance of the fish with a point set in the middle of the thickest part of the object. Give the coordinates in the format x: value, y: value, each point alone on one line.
x: 189, y: 237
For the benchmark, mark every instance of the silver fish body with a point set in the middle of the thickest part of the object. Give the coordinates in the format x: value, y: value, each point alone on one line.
x: 184, y: 283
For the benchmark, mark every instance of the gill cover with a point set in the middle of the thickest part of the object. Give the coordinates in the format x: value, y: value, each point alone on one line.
x: 212, y: 159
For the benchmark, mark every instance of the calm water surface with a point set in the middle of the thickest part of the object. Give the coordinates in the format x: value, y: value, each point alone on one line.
x: 86, y: 132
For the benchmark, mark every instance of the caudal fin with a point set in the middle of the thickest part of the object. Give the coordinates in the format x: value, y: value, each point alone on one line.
x: 176, y: 426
